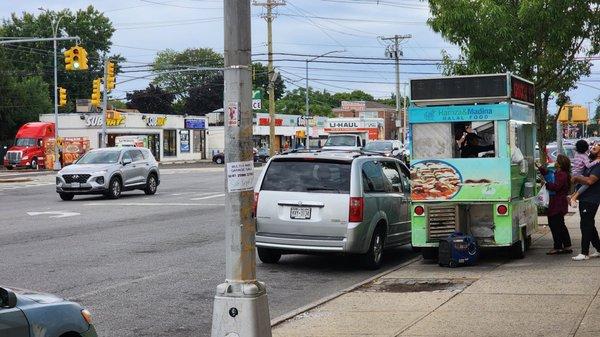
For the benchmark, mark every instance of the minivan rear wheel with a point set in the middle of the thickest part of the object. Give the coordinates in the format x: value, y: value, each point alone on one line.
x: 372, y: 258
x: 267, y: 255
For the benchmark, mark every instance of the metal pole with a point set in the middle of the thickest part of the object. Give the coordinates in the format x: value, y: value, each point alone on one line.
x: 241, y: 306
x: 307, y: 108
x: 404, y: 118
x: 104, y: 142
x: 271, y: 87
x: 396, y: 52
x: 57, y: 165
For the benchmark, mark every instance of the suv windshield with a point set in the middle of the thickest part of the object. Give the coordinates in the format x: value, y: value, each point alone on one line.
x: 379, y: 146
x: 100, y: 157
x: 307, y: 176
x: 341, y: 141
x: 25, y: 142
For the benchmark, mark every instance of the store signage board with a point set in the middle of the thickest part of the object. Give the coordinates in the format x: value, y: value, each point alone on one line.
x: 96, y: 120
x: 195, y: 123
x: 459, y: 113
x: 256, y: 100
x: 481, y: 88
x: 156, y: 120
x: 240, y: 176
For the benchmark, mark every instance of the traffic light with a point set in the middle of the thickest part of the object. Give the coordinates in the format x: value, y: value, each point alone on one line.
x: 96, y: 92
x: 110, y: 78
x: 62, y: 96
x: 76, y: 58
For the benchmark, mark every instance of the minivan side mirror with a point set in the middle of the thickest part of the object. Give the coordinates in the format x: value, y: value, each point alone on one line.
x: 126, y: 161
x: 8, y: 299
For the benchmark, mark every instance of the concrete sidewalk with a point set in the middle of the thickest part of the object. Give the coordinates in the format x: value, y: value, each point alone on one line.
x: 540, y: 295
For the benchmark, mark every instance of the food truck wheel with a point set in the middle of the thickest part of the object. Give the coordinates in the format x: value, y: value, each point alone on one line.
x: 528, y: 242
x: 9, y: 167
x: 518, y: 249
x: 66, y: 196
x: 114, y: 188
x: 372, y: 258
x: 429, y: 253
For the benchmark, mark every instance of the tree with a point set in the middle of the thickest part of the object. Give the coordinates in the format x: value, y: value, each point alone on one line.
x: 94, y: 29
x: 293, y: 103
x: 540, y: 40
x: 207, y: 97
x: 180, y: 83
x: 356, y: 95
x: 152, y: 100
x: 260, y: 80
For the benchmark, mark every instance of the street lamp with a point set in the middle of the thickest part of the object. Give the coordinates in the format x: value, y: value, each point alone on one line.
x: 55, y: 32
x: 307, y: 114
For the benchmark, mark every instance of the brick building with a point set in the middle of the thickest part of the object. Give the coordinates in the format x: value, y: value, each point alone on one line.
x: 369, y: 109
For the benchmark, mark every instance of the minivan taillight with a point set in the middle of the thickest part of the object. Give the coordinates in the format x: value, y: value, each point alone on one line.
x: 255, y: 204
x: 356, y: 209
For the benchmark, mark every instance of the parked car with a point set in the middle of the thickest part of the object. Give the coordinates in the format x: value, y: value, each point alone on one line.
x: 219, y: 158
x: 332, y: 201
x: 109, y: 171
x: 262, y: 155
x: 552, y: 152
x: 388, y: 148
x: 25, y: 313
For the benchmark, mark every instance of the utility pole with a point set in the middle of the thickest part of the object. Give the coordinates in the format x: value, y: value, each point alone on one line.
x: 393, y: 51
x: 240, y: 307
x: 269, y: 5
x: 104, y: 102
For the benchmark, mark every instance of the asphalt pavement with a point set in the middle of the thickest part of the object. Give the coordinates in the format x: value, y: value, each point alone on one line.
x: 148, y: 265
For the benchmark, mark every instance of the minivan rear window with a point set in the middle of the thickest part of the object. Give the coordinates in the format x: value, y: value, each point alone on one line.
x: 307, y: 176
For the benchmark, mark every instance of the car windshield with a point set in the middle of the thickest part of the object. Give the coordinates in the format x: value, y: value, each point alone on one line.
x: 307, y: 176
x: 25, y: 142
x: 341, y: 141
x: 100, y: 157
x: 379, y: 146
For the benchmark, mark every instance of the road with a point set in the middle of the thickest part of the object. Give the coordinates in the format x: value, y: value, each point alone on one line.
x: 147, y: 266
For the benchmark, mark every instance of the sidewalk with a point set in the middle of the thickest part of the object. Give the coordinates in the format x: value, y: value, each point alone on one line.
x: 540, y: 295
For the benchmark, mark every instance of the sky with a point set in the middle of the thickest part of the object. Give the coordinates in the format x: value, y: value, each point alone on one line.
x: 352, y: 28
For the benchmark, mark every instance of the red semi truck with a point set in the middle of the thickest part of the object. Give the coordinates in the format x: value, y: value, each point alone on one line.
x: 29, y: 149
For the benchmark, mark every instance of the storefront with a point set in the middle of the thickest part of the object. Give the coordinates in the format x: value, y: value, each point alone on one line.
x: 372, y: 128
x: 290, y: 131
x: 169, y: 137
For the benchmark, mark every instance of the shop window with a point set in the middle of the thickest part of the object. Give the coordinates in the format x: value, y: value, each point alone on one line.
x: 454, y: 140
x: 184, y: 141
x: 198, y: 141
x: 170, y: 143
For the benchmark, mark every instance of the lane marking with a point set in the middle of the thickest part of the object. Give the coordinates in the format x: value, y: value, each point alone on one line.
x: 54, y: 214
x: 150, y: 204
x: 209, y: 197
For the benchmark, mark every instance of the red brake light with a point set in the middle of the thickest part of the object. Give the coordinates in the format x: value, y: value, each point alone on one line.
x: 355, y: 213
x: 255, y: 204
x: 419, y: 210
x: 502, y: 209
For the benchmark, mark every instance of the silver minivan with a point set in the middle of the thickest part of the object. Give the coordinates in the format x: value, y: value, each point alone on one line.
x: 332, y: 201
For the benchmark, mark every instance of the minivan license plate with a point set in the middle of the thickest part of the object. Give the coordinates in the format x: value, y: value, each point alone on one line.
x: 300, y: 213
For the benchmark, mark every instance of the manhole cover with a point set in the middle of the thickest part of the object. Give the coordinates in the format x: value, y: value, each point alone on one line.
x: 396, y: 285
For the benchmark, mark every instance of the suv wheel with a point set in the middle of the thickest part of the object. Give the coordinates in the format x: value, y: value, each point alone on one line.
x: 372, y: 258
x: 269, y: 255
x: 151, y: 185
x: 114, y: 188
x: 66, y: 196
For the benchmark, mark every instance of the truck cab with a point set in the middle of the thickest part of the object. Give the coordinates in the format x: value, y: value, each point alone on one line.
x: 28, y: 150
x: 345, y: 141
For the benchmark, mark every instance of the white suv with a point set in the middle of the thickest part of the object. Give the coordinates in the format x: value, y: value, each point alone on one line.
x: 332, y: 201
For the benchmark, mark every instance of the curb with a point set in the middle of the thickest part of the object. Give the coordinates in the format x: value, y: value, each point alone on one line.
x: 15, y: 180
x: 282, y: 318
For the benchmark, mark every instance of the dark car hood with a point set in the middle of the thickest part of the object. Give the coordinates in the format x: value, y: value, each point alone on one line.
x: 36, y: 296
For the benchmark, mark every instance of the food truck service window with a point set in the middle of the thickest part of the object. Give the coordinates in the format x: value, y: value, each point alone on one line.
x: 454, y: 140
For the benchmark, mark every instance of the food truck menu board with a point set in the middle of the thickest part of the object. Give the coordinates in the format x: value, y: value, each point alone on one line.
x: 471, y: 88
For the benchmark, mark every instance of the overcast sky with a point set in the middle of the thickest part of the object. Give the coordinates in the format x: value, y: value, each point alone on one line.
x: 302, y: 27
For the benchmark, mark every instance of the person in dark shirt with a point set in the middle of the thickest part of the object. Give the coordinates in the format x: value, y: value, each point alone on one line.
x: 589, y: 200
x: 557, y: 208
x: 471, y: 147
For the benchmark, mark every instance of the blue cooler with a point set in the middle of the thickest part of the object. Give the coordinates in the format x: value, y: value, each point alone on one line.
x: 458, y: 249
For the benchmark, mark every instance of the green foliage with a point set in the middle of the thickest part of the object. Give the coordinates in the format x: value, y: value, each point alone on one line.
x: 321, y: 102
x: 152, y: 100
x: 539, y: 40
x: 27, y: 59
x: 205, y: 98
x: 260, y: 80
x: 180, y: 83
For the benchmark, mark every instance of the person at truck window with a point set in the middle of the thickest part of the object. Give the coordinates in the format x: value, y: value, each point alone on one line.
x: 588, y: 206
x: 471, y: 147
x: 557, y: 207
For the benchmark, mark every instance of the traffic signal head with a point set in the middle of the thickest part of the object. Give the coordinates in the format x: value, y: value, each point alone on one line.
x: 76, y: 58
x: 96, y: 92
x: 62, y: 96
x: 110, y: 78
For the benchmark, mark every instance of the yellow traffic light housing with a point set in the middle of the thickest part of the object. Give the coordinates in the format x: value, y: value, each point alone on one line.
x: 96, y: 92
x: 62, y: 96
x: 76, y: 59
x: 110, y: 78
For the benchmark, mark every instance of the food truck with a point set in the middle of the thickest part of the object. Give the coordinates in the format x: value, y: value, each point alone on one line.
x: 472, y: 141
